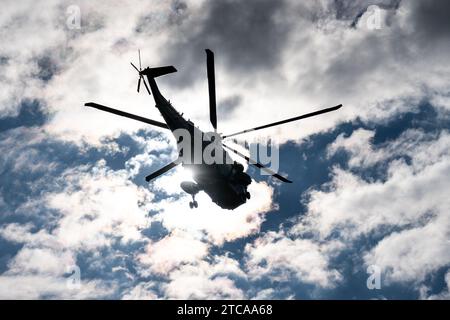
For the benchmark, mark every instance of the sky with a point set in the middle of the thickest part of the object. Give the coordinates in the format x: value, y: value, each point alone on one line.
x: 369, y: 203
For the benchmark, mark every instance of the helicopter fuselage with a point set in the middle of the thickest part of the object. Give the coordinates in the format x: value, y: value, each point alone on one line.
x: 224, y: 182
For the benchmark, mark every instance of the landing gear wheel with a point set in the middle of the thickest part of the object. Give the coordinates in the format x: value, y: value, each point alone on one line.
x: 193, y: 203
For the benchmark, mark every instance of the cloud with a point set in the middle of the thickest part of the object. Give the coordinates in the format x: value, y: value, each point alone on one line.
x: 407, y: 212
x: 143, y: 291
x: 205, y: 281
x: 40, y: 260
x: 247, y: 35
x: 444, y: 294
x: 274, y: 254
x: 97, y: 205
x: 38, y: 287
x: 172, y: 251
x: 358, y: 206
x: 219, y: 225
x: 412, y: 254
x: 39, y: 268
x: 431, y: 21
x: 411, y: 143
x: 359, y: 146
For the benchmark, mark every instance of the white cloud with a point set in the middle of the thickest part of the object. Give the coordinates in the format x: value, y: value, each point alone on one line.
x: 265, y: 294
x: 218, y: 225
x: 205, y: 281
x: 143, y: 291
x: 172, y: 251
x: 413, y: 254
x: 413, y: 143
x: 21, y: 233
x: 360, y: 147
x: 355, y: 206
x: 39, y: 272
x: 410, y: 208
x: 42, y: 261
x: 274, y: 254
x: 97, y: 206
x: 49, y: 287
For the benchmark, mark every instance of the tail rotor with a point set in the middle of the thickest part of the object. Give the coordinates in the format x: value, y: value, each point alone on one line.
x: 141, y: 76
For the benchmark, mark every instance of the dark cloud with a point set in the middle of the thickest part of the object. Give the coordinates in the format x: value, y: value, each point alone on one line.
x: 3, y: 60
x: 432, y: 19
x: 363, y: 63
x: 227, y: 106
x: 155, y: 22
x: 246, y: 36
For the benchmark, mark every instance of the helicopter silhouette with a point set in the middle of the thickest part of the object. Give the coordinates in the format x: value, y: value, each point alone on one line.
x: 224, y: 181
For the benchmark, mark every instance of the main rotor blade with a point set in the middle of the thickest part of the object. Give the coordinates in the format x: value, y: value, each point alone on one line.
x: 211, y: 87
x: 312, y: 114
x: 139, y: 84
x: 139, y: 53
x: 258, y: 165
x: 162, y: 170
x: 126, y: 114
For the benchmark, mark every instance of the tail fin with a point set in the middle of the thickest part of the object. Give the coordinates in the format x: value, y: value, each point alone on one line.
x: 160, y: 71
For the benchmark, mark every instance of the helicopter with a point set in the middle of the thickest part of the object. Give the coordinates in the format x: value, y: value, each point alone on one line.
x: 223, y: 179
